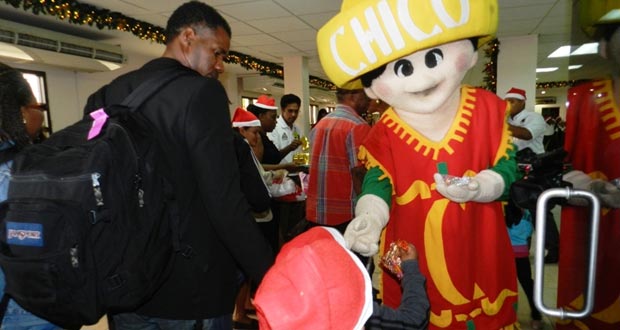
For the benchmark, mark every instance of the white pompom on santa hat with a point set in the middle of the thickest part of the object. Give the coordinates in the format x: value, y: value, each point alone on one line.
x: 244, y: 118
x: 515, y: 93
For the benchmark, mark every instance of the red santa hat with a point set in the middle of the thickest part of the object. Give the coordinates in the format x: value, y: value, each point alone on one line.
x: 315, y: 283
x: 515, y: 93
x: 244, y: 118
x: 266, y: 102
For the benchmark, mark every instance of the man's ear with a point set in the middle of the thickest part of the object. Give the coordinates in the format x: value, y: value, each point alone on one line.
x: 369, y: 92
x: 186, y: 36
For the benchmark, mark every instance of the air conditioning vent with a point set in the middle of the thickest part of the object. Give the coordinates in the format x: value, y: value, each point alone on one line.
x: 7, y: 36
x: 103, y: 55
x: 60, y: 49
x: 73, y: 49
x: 29, y: 40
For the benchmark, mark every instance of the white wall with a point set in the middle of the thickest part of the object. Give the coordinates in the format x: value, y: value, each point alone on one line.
x: 516, y: 66
x: 68, y: 90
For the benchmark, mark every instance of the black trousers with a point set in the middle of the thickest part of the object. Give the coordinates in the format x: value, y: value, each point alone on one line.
x: 524, y: 275
x: 552, y: 235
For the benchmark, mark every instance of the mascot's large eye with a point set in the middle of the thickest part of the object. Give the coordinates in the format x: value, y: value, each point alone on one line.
x: 403, y: 68
x: 433, y: 58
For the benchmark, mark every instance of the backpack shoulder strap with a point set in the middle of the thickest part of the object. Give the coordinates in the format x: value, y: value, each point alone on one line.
x: 145, y: 90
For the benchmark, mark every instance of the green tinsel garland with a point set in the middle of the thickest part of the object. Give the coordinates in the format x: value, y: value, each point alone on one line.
x: 83, y: 14
x: 490, y: 68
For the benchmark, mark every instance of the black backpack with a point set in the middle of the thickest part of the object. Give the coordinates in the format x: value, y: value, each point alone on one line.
x: 91, y: 226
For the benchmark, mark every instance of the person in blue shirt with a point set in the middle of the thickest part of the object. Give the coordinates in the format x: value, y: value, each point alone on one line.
x: 16, y: 102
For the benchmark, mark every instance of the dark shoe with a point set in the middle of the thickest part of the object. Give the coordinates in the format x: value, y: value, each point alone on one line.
x: 551, y: 257
x: 537, y: 325
x: 243, y: 326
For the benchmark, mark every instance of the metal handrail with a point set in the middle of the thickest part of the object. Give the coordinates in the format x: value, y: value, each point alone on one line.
x: 541, y: 212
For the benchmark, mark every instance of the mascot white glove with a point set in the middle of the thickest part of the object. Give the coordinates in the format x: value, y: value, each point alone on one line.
x: 608, y: 193
x: 486, y: 186
x: 363, y: 233
x: 578, y: 179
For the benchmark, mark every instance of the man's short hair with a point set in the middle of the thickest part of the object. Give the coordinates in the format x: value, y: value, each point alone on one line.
x: 288, y: 99
x: 342, y: 92
x: 194, y: 13
x: 257, y: 111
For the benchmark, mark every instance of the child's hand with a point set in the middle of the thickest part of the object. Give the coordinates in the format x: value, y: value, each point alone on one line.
x: 408, y: 254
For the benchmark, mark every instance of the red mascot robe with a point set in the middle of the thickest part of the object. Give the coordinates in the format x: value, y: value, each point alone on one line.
x: 464, y: 249
x: 593, y: 145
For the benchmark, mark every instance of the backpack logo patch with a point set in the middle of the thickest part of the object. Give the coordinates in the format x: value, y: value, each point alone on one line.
x: 26, y: 234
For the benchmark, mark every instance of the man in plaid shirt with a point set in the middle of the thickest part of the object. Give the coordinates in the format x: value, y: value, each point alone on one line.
x: 335, y: 172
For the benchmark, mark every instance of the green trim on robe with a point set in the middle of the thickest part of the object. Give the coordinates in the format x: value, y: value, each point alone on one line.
x: 373, y: 186
x: 506, y: 168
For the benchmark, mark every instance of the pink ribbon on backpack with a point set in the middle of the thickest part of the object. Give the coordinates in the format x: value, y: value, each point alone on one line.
x: 99, y: 118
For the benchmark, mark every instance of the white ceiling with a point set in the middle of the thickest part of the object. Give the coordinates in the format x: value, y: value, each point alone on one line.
x: 272, y: 29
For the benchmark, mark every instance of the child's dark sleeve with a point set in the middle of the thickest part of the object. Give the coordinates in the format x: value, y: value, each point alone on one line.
x: 414, y: 306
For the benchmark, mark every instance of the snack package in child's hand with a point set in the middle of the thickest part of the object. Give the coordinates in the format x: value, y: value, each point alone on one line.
x: 391, y: 259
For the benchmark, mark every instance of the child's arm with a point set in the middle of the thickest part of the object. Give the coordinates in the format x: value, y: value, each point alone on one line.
x: 414, y: 306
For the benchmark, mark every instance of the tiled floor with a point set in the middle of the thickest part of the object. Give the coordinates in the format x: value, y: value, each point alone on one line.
x: 549, y: 296
x: 550, y: 287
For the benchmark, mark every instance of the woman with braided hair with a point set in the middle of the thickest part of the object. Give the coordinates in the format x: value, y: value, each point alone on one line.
x: 15, y: 100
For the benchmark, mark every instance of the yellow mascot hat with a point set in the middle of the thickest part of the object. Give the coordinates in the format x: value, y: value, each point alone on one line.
x: 367, y: 34
x: 596, y: 13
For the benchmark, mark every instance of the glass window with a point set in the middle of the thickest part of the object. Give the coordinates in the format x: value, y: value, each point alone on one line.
x: 37, y: 82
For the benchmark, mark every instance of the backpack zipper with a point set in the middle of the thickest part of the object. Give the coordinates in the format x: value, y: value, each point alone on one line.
x: 97, y: 189
x: 92, y: 177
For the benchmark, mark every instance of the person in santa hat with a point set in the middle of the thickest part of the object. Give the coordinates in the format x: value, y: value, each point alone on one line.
x: 527, y: 127
x: 317, y: 283
x: 246, y: 137
x: 265, y: 109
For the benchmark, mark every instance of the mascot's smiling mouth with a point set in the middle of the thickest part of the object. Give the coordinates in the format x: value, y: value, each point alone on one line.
x: 427, y: 91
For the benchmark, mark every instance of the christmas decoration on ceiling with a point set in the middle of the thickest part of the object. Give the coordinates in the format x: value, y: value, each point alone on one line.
x: 83, y: 14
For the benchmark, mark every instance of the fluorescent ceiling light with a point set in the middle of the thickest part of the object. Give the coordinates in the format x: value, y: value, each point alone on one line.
x: 611, y: 16
x: 110, y: 65
x: 589, y: 48
x: 563, y: 51
x: 551, y: 69
x: 575, y: 67
x: 10, y: 51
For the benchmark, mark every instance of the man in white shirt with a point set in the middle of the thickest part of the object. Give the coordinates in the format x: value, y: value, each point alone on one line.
x: 528, y: 131
x: 286, y: 136
x: 527, y: 127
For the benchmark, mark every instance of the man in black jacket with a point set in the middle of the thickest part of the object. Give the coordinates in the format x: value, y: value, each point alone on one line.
x: 192, y: 119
